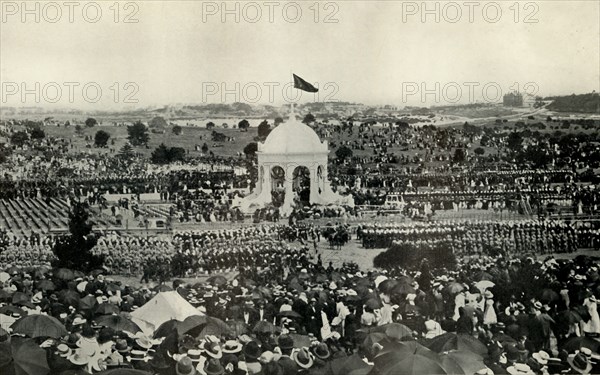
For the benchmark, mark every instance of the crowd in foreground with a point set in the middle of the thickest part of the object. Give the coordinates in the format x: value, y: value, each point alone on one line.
x: 287, y: 313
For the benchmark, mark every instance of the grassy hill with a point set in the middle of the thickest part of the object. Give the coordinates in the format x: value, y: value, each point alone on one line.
x: 584, y: 103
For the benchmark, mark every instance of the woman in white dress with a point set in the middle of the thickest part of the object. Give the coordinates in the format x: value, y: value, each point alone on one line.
x: 592, y: 325
x: 489, y: 314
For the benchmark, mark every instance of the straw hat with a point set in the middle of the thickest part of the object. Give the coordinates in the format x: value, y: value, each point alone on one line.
x: 520, y: 369
x: 580, y: 363
x: 303, y: 358
x: 232, y: 346
x: 185, y: 367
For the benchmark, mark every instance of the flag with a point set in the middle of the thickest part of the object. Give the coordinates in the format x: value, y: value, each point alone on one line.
x: 301, y: 84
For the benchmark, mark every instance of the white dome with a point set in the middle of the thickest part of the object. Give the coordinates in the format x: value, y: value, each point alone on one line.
x: 292, y: 137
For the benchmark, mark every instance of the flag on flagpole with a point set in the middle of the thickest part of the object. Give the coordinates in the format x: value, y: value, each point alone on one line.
x: 301, y: 84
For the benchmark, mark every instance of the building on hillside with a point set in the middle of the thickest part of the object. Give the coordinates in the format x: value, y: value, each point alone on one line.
x: 513, y: 99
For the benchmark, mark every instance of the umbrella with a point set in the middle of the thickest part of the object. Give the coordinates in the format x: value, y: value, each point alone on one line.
x: 372, y: 339
x: 407, y: 358
x: 45, y: 285
x: 106, y: 309
x: 217, y: 280
x: 386, y: 286
x: 394, y: 330
x: 373, y: 303
x: 549, y: 295
x: 124, y: 371
x: 455, y: 287
x: 321, y: 278
x: 403, y: 288
x: 344, y: 365
x: 577, y: 343
x: 24, y: 356
x: 5, y: 295
x: 13, y: 270
x: 118, y: 323
x: 20, y: 298
x: 10, y: 309
x: 39, y: 326
x: 214, y: 326
x: 570, y: 316
x: 4, y: 277
x: 456, y: 341
x: 166, y: 328
x: 64, y: 274
x: 461, y: 362
x: 289, y: 314
x: 69, y: 297
x: 336, y: 276
x: 484, y: 284
x: 237, y: 328
x: 163, y: 288
x: 97, y: 272
x: 484, y: 276
x: 87, y: 303
x: 264, y: 327
x: 112, y: 287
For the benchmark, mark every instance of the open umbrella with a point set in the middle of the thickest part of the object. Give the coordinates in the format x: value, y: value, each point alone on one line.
x: 13, y: 270
x: 264, y: 327
x: 5, y: 295
x: 20, y: 298
x: 394, y: 330
x: 344, y: 365
x: 24, y: 357
x: 407, y: 358
x: 217, y: 280
x: 39, y: 326
x: 118, y: 323
x: 11, y: 309
x: 166, y: 328
x: 289, y: 314
x: 577, y: 343
x: 454, y: 288
x: 484, y: 284
x: 373, y: 303
x: 237, y: 328
x: 300, y: 341
x: 163, y: 288
x: 386, y: 286
x: 45, y: 285
x: 106, y: 309
x: 373, y: 338
x: 88, y: 303
x: 461, y: 362
x: 549, y: 295
x: 214, y: 326
x: 124, y: 371
x: 64, y: 274
x: 69, y: 297
x: 456, y: 341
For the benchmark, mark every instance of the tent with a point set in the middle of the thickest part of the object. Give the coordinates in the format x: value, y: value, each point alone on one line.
x: 162, y: 307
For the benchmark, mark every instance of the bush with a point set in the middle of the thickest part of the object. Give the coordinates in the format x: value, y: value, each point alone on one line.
x: 101, y: 138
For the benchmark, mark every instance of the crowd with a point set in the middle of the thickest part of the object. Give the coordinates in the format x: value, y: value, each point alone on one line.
x: 287, y: 313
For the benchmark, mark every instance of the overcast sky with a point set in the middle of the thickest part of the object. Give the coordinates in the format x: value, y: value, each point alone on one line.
x: 376, y: 52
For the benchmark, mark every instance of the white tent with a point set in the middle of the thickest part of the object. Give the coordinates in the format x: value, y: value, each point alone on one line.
x: 163, y: 307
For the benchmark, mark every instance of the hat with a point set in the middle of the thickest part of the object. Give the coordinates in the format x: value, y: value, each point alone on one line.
x: 212, y: 349
x: 63, y: 350
x: 78, y: 320
x: 138, y: 355
x: 194, y: 355
x: 537, y: 305
x: 121, y: 346
x: 143, y: 342
x: 303, y: 358
x: 488, y: 294
x: 285, y: 342
x: 185, y: 367
x: 541, y: 357
x: 519, y: 369
x: 73, y: 341
x: 251, y: 350
x: 213, y: 367
x: 232, y: 346
x: 580, y: 363
x: 321, y: 351
x: 79, y: 358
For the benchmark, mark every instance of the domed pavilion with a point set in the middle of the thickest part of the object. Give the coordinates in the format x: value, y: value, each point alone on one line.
x: 292, y: 170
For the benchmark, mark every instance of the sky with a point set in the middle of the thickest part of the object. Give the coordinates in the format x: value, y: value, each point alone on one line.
x: 374, y: 52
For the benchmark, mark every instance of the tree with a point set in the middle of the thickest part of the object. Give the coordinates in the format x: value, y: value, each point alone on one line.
x: 38, y: 133
x: 250, y: 149
x: 343, y: 153
x: 515, y: 140
x: 210, y: 125
x: 126, y: 152
x: 157, y: 122
x: 278, y: 120
x: 204, y: 148
x: 264, y: 129
x: 78, y: 129
x: 165, y: 155
x: 101, y: 138
x: 479, y: 151
x: 485, y: 140
x: 74, y: 251
x: 138, y: 134
x: 308, y: 118
x: 459, y: 155
x: 91, y: 122
x: 19, y: 138
x: 4, y: 154
x: 177, y: 130
x: 244, y: 125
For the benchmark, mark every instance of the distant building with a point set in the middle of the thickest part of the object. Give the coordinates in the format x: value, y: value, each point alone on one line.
x: 513, y: 99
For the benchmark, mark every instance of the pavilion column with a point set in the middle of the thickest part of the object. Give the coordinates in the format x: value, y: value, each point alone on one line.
x: 286, y: 208
x: 314, y: 184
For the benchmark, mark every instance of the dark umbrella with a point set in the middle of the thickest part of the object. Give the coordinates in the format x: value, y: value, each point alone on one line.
x: 45, y: 285
x: 214, y: 326
x: 344, y: 365
x: 124, y: 371
x: 264, y: 327
x: 570, y: 316
x: 5, y: 295
x: 13, y: 270
x: 10, y: 309
x: 289, y: 314
x: 24, y: 356
x: 237, y: 328
x: 69, y: 297
x: 576, y: 343
x: 163, y: 288
x: 466, y: 362
x: 386, y: 286
x: 407, y: 358
x: 373, y: 303
x: 454, y: 288
x: 20, y: 298
x: 394, y: 330
x: 39, y: 326
x: 549, y: 295
x: 64, y: 274
x: 106, y: 309
x: 300, y: 341
x: 118, y: 323
x: 87, y: 303
x: 217, y: 280
x: 166, y: 328
x: 456, y: 341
